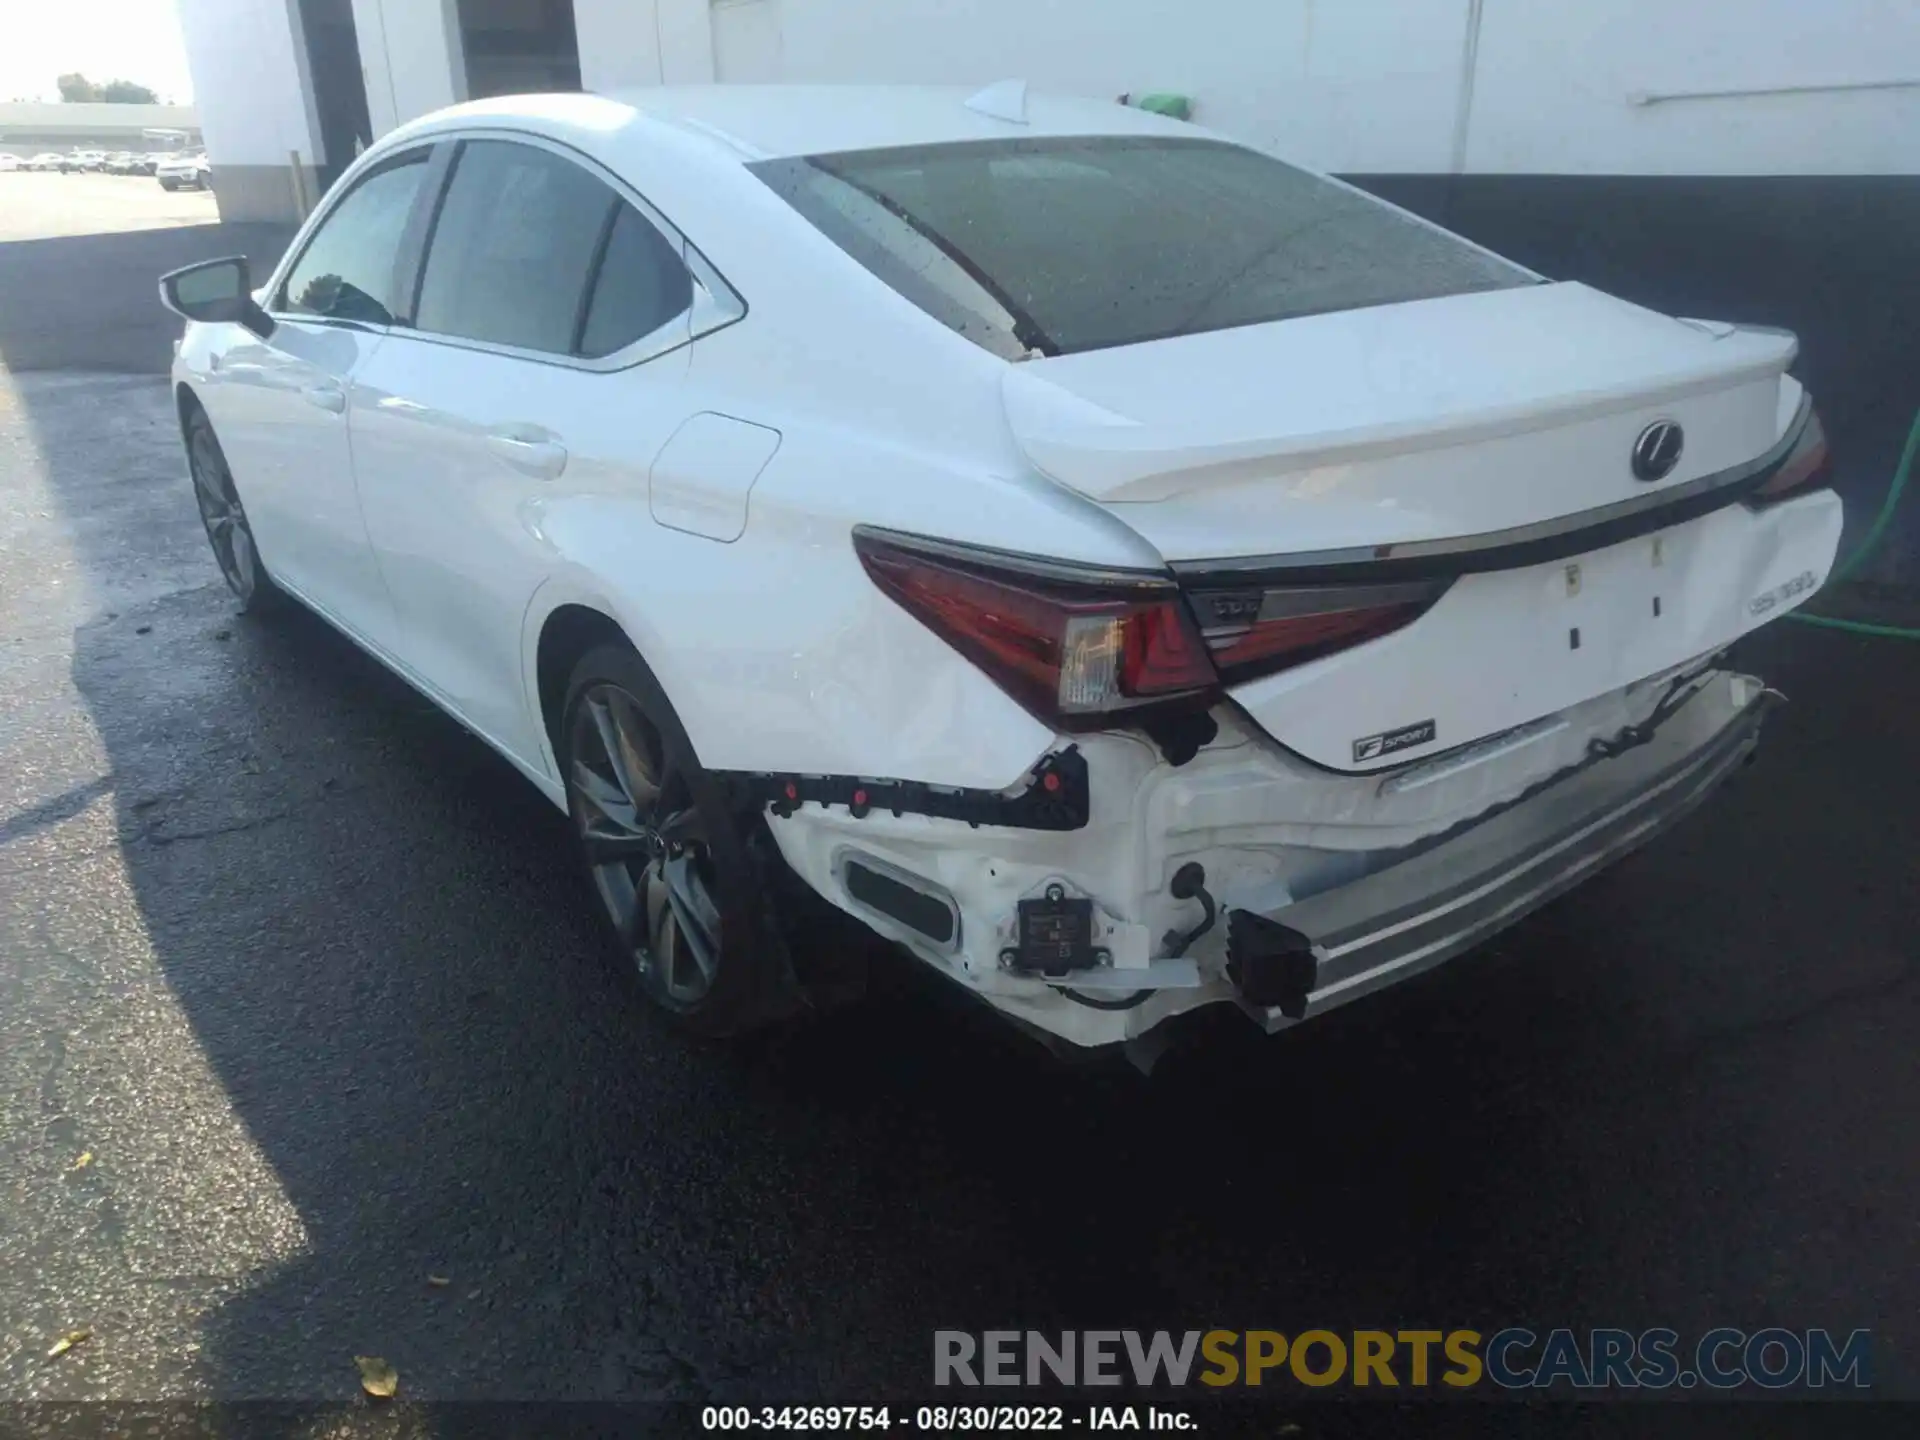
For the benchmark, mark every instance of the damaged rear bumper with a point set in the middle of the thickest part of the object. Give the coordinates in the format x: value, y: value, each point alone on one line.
x: 1335, y: 947
x: 1328, y: 886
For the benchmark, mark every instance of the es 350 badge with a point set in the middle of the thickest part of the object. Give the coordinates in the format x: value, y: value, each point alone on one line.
x: 1780, y: 594
x: 1372, y: 747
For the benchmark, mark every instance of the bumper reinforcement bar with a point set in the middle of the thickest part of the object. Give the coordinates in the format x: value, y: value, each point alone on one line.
x: 1334, y: 947
x: 1054, y: 797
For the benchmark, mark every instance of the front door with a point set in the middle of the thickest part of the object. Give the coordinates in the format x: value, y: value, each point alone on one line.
x: 281, y: 405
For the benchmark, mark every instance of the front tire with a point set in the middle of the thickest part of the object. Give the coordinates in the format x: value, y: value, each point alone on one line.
x: 676, y: 868
x: 228, y: 530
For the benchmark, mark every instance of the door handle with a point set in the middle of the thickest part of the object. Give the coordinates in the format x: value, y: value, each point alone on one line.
x: 330, y: 398
x: 530, y: 452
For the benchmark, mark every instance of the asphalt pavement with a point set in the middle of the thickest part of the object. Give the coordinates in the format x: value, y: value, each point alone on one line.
x: 299, y: 1016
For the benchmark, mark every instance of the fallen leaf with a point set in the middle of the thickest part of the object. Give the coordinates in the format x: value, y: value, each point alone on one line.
x: 67, y: 1341
x: 473, y: 1294
x: 86, y: 1159
x: 377, y: 1377
x: 438, y: 1281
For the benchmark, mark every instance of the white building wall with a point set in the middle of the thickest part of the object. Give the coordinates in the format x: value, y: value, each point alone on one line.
x: 410, y: 58
x: 625, y: 43
x: 1353, y: 86
x: 251, y: 92
x: 1365, y: 86
x: 1583, y: 87
x: 1360, y: 84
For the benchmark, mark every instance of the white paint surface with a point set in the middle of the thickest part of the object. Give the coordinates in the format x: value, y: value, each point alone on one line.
x: 247, y: 80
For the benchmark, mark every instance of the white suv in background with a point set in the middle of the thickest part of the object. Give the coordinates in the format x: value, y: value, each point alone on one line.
x: 183, y: 172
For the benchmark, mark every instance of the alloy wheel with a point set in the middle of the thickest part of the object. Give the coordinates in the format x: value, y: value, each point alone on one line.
x: 222, y: 514
x: 645, y: 845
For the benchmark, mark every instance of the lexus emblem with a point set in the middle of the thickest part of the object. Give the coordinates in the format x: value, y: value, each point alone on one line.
x: 1657, y: 450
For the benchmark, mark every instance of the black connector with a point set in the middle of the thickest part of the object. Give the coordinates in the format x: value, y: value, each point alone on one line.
x: 1190, y: 883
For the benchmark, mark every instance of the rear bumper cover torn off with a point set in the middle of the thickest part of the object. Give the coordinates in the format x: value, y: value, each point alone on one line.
x: 1334, y: 947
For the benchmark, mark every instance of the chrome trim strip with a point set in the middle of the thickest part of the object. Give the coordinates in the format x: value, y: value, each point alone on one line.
x: 716, y: 304
x: 1512, y: 548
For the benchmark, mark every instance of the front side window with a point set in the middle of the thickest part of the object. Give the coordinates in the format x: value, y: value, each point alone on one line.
x: 1051, y: 246
x: 516, y: 241
x: 346, y: 271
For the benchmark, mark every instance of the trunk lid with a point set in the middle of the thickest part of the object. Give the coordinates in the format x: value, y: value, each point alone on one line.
x: 1399, y: 428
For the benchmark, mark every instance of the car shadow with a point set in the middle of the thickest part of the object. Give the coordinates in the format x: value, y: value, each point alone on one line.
x: 92, y: 302
x: 1626, y: 1111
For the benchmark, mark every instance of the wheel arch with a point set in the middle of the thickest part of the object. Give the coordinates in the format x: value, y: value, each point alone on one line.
x: 569, y: 631
x: 186, y: 403
x: 565, y: 619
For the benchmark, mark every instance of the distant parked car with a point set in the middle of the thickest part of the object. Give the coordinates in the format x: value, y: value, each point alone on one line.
x: 47, y: 160
x: 9, y: 162
x: 183, y: 172
x: 88, y: 160
x: 122, y: 162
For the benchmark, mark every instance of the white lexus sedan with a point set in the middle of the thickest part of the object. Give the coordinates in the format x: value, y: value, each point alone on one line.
x: 1129, y: 571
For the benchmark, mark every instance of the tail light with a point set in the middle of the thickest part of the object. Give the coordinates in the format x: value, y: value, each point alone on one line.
x: 1256, y: 632
x: 1808, y: 465
x: 1074, y: 645
x: 1078, y: 646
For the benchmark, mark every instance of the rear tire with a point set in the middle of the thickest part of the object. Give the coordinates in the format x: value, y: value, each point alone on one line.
x: 676, y: 868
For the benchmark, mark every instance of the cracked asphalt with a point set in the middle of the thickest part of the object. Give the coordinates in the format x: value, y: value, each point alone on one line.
x: 299, y: 966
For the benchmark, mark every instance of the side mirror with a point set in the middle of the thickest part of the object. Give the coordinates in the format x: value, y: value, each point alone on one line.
x: 216, y: 292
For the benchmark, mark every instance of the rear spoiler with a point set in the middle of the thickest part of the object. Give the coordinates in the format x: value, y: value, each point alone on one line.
x: 1515, y: 548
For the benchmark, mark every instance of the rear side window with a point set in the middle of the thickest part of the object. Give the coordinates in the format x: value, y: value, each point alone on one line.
x: 640, y: 286
x: 1057, y: 245
x: 346, y: 271
x: 515, y: 241
x: 533, y: 251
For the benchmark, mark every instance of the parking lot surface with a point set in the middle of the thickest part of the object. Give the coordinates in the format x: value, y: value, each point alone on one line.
x: 38, y: 205
x: 298, y: 1013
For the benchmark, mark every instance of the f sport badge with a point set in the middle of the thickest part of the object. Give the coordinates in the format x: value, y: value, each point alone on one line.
x: 1372, y: 747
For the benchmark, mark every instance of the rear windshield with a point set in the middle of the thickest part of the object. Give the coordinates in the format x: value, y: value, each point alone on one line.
x: 1052, y: 246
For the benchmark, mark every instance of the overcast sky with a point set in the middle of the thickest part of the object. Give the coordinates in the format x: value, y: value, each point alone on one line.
x: 137, y: 40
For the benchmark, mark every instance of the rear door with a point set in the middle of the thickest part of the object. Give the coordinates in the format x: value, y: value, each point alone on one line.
x: 543, y: 362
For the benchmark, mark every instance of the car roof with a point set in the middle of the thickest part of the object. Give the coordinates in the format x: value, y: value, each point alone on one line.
x: 755, y: 122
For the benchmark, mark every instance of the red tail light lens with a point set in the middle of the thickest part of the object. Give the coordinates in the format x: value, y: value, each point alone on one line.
x: 1808, y: 465
x: 1256, y: 632
x: 1074, y: 646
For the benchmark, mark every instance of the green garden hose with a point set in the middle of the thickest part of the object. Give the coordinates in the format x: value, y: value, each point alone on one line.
x: 1875, y: 533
